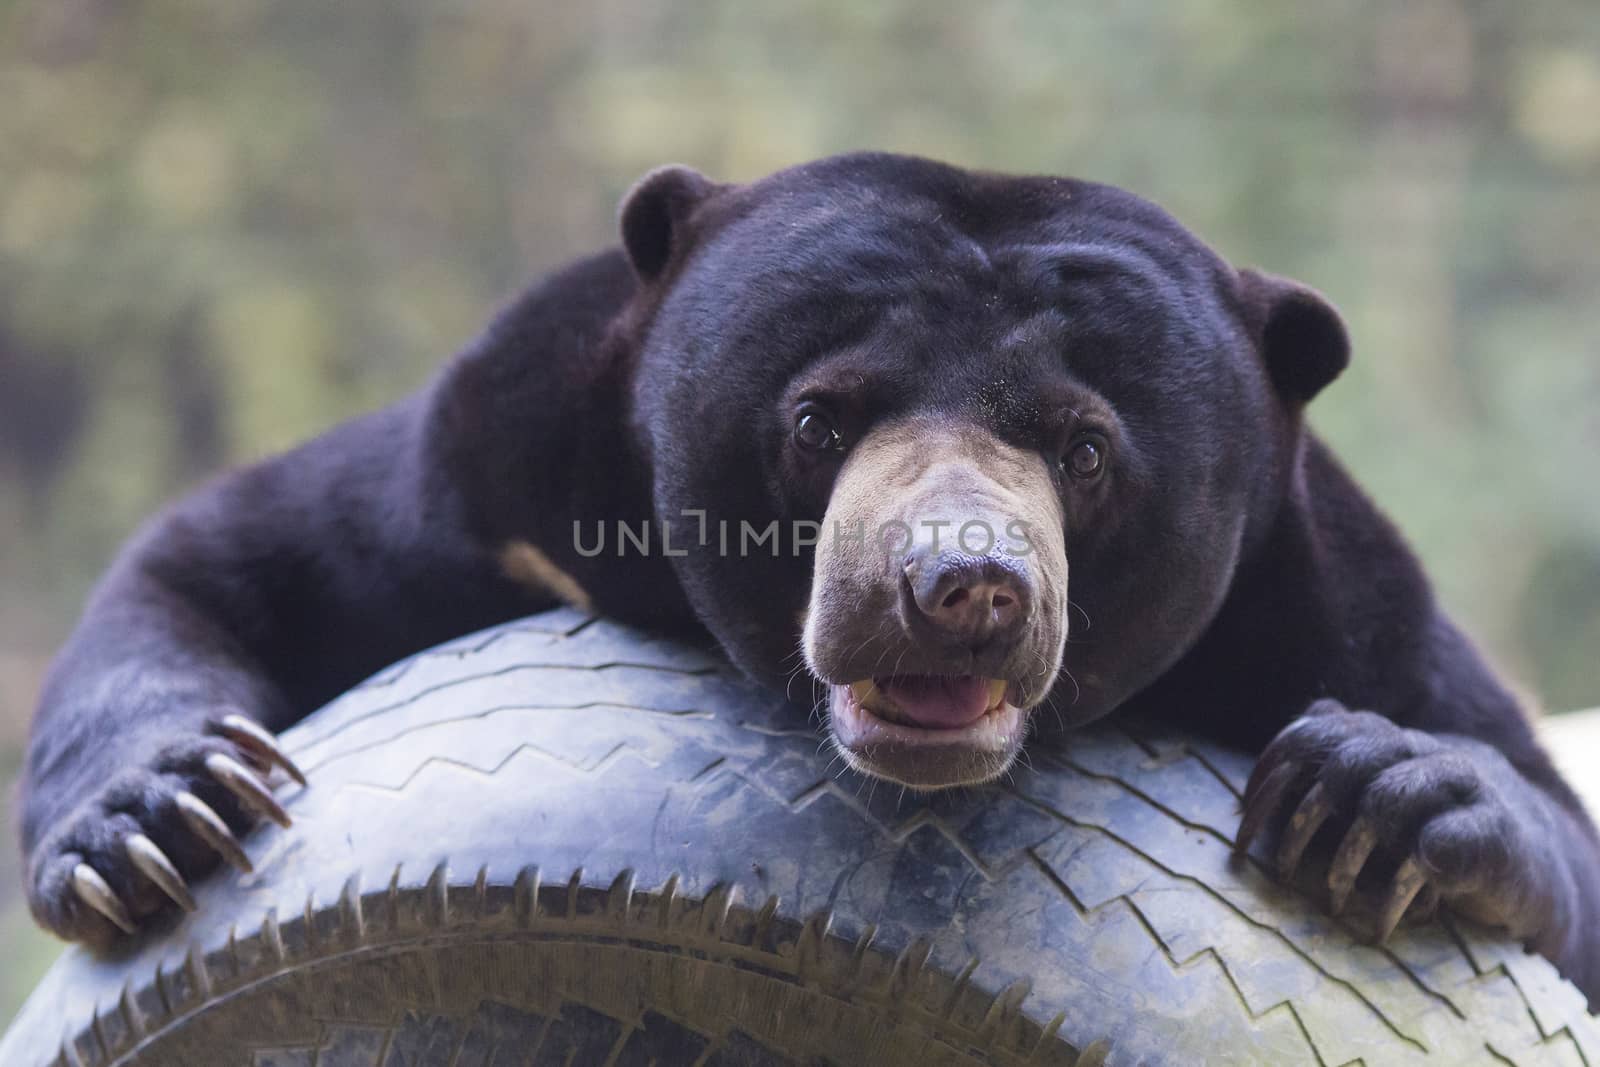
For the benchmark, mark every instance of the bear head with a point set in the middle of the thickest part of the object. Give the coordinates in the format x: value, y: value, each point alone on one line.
x: 962, y: 449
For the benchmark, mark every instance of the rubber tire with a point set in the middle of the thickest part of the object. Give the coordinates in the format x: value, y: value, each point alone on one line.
x: 564, y: 842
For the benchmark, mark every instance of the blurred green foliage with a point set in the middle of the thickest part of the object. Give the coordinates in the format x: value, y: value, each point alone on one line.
x: 225, y: 226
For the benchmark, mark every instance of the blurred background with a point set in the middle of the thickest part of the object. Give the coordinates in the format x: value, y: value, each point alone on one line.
x: 225, y: 226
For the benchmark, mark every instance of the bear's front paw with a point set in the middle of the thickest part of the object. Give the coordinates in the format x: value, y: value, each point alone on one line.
x: 129, y: 848
x: 1420, y: 817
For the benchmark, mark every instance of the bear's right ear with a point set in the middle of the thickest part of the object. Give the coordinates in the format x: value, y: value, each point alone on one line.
x: 1300, y: 335
x: 654, y: 214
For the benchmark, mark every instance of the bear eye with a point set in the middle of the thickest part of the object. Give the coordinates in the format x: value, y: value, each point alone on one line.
x: 814, y: 431
x: 1086, y: 458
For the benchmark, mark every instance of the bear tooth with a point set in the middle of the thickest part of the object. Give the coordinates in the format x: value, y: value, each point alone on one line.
x: 997, y: 692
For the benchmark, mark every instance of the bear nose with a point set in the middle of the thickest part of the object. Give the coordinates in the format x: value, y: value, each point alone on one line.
x: 973, y: 599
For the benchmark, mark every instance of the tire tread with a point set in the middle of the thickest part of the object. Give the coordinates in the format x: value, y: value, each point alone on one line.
x: 1121, y: 838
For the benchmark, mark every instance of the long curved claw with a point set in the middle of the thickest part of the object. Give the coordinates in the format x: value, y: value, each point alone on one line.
x: 239, y: 781
x: 1353, y: 853
x: 1266, y: 800
x: 154, y: 865
x: 1303, y: 825
x: 257, y: 740
x: 208, y: 826
x: 1408, y: 881
x: 93, y: 891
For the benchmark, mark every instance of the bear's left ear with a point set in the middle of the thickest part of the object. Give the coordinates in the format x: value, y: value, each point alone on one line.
x: 654, y: 214
x: 1300, y: 335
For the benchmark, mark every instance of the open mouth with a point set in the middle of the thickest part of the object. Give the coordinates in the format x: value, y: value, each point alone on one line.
x: 926, y: 709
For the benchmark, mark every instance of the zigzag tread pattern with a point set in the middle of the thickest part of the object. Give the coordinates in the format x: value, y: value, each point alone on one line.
x: 1121, y: 829
x: 1562, y: 1029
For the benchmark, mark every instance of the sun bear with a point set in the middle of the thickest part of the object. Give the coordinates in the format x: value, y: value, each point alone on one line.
x: 967, y: 455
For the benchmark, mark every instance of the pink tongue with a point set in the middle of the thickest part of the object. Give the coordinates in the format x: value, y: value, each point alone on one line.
x: 938, y: 702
